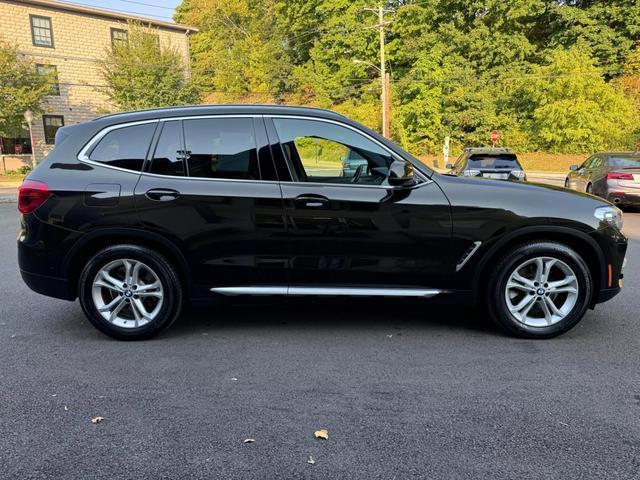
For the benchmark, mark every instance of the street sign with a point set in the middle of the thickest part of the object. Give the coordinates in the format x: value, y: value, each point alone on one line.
x: 495, y: 137
x: 445, y: 150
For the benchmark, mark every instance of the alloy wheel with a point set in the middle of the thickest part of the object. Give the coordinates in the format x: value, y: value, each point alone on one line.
x: 541, y: 291
x: 127, y: 293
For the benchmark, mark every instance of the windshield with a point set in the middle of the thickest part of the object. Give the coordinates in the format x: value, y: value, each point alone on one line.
x: 504, y: 160
x: 626, y: 161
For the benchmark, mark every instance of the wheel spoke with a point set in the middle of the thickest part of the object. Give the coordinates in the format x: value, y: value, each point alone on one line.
x: 552, y: 306
x: 149, y: 287
x: 547, y: 313
x: 148, y: 294
x: 116, y: 310
x: 109, y: 281
x: 526, y: 301
x: 561, y: 283
x: 539, y: 270
x: 139, y: 309
x: 127, y: 271
x: 548, y: 265
x: 111, y: 304
x: 135, y: 273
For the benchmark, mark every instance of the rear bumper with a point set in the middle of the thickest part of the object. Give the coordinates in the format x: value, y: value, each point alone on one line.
x: 629, y: 197
x: 49, y: 286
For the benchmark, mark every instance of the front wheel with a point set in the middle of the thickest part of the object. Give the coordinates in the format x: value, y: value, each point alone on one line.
x: 566, y: 183
x: 539, y: 290
x: 130, y: 292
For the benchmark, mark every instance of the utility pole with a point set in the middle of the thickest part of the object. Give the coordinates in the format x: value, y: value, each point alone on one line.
x: 384, y: 77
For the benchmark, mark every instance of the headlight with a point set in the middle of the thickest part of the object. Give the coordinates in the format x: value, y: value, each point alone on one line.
x: 611, y: 215
x: 471, y: 173
x: 519, y: 174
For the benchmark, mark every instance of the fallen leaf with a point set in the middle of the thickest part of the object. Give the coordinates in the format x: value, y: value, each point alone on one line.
x: 322, y: 434
x: 389, y: 336
x: 249, y: 440
x: 66, y: 409
x: 97, y: 419
x: 234, y: 379
x: 311, y: 460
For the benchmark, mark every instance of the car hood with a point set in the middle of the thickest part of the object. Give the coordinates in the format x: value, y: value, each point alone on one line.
x: 527, y: 201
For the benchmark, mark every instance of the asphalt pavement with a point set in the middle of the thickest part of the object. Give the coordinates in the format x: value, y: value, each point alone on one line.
x: 405, y: 390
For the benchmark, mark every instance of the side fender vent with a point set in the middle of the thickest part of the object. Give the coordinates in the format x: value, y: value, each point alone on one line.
x: 466, y: 256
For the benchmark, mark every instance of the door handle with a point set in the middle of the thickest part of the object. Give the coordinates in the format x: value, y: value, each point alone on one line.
x: 311, y: 201
x: 162, y: 194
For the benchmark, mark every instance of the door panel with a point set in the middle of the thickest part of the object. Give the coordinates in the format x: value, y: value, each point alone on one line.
x: 346, y: 225
x: 368, y: 236
x: 229, y: 227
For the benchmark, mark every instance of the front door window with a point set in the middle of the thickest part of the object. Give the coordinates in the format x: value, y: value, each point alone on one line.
x: 323, y: 152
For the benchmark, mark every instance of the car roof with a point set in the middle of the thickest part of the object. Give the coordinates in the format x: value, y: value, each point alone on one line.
x: 488, y: 150
x: 195, y: 110
x: 626, y: 154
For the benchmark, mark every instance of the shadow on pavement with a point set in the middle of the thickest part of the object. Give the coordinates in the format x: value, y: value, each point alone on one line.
x: 330, y: 315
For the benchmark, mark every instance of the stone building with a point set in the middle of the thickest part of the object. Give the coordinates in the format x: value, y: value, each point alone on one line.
x: 68, y: 39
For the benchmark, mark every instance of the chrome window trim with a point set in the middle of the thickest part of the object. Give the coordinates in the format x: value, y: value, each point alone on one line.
x: 83, y: 155
x: 328, y: 291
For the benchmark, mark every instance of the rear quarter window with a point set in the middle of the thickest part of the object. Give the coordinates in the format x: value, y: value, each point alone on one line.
x: 124, y: 147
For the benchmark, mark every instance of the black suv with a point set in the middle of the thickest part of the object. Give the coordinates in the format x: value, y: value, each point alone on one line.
x: 496, y: 163
x: 139, y: 213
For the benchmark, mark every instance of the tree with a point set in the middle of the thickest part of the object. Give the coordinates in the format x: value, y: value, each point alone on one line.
x: 569, y: 107
x: 142, y: 74
x: 21, y: 89
x: 238, y: 53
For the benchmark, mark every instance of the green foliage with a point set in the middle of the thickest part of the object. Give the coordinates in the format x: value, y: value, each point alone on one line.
x: 141, y: 74
x: 21, y: 89
x: 551, y: 75
x: 570, y: 107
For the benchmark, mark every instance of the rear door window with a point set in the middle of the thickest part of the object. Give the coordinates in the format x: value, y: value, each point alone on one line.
x: 125, y: 147
x: 168, y: 158
x: 505, y: 160
x: 222, y: 148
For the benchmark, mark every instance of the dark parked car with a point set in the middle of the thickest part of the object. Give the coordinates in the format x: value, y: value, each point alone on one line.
x: 496, y: 163
x: 138, y: 213
x: 613, y: 176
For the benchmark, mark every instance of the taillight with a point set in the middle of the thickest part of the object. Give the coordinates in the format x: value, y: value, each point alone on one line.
x: 31, y: 195
x: 619, y: 176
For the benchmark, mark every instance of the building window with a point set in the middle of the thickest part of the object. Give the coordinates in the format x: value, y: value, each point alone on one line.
x: 118, y: 35
x: 51, y: 70
x: 51, y: 125
x: 41, y: 32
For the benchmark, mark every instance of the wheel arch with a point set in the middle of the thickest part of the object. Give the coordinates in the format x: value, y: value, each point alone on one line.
x: 588, y: 249
x: 91, y: 243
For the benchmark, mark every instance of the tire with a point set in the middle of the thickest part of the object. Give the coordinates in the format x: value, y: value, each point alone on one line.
x: 152, y: 276
x: 566, y: 183
x: 505, y: 291
x: 589, y: 189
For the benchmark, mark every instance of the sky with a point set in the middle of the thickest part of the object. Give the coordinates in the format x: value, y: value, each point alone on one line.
x: 156, y: 9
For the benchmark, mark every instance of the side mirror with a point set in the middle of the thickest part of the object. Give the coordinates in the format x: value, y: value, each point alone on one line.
x: 449, y: 166
x: 401, y: 174
x: 574, y: 168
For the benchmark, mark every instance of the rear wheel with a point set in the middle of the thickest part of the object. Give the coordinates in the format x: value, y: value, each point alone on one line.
x: 589, y: 188
x: 539, y: 290
x: 566, y: 183
x: 130, y: 292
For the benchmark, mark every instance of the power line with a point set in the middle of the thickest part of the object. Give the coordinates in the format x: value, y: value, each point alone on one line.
x: 130, y: 12
x: 148, y: 4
